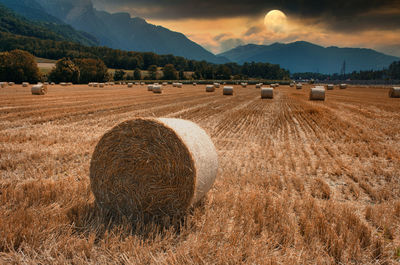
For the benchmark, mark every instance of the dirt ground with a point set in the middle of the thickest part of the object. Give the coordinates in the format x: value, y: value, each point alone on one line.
x: 299, y: 182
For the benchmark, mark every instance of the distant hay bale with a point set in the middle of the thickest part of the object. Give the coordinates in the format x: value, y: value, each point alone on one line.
x: 3, y: 84
x: 267, y: 92
x: 39, y: 89
x: 149, y: 87
x: 11, y: 83
x: 291, y: 84
x: 174, y: 84
x: 394, y: 92
x: 194, y: 84
x: 102, y: 85
x: 330, y: 86
x: 137, y: 83
x: 227, y: 91
x: 164, y: 83
x: 299, y: 86
x: 210, y: 88
x: 90, y: 84
x: 25, y: 84
x: 70, y: 83
x: 46, y: 83
x: 53, y: 84
x: 130, y: 84
x: 258, y: 85
x: 277, y: 84
x: 63, y: 84
x: 157, y: 89
x: 95, y: 84
x: 243, y: 84
x: 152, y: 167
x: 343, y: 86
x: 317, y: 93
x: 273, y: 85
x: 216, y: 85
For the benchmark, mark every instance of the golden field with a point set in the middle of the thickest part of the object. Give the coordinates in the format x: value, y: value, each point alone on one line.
x: 299, y: 182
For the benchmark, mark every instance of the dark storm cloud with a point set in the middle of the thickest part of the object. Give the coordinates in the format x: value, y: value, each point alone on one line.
x: 337, y: 14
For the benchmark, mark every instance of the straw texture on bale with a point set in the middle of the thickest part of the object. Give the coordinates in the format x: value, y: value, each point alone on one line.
x: 330, y: 86
x: 228, y: 90
x: 343, y: 86
x: 394, y: 92
x: 317, y: 93
x: 39, y: 89
x: 210, y: 88
x: 157, y: 89
x: 152, y: 167
x: 267, y: 92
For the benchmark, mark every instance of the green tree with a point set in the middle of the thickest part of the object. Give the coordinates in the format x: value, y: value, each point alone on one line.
x: 65, y: 71
x: 152, y: 72
x: 169, y: 72
x: 137, y: 74
x: 119, y: 75
x: 18, y: 66
x: 91, y: 70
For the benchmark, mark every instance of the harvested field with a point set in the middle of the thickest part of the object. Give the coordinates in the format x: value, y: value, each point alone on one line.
x: 299, y: 181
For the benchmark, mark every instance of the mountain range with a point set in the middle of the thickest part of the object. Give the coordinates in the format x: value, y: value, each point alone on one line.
x: 78, y: 21
x: 118, y: 31
x: 303, y: 56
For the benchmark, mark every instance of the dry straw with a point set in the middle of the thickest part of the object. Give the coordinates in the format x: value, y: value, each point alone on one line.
x: 343, y: 86
x: 153, y: 167
x: 150, y: 88
x: 228, y: 90
x: 39, y: 89
x: 267, y: 92
x: 130, y: 84
x: 394, y: 92
x: 291, y: 84
x: 101, y: 85
x: 299, y: 86
x: 258, y: 85
x: 330, y: 86
x: 317, y: 93
x: 210, y: 88
x: 25, y: 84
x: 11, y: 83
x: 216, y: 85
x: 3, y: 84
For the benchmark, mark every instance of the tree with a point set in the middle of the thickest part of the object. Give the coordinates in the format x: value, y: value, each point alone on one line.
x: 119, y: 75
x: 65, y: 71
x: 223, y: 72
x: 18, y: 66
x: 152, y: 72
x: 91, y: 70
x: 137, y: 74
x: 169, y: 72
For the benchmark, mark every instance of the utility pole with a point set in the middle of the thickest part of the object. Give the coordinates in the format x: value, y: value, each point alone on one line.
x: 343, y: 70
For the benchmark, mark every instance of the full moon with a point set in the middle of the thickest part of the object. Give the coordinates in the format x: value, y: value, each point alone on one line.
x: 275, y: 21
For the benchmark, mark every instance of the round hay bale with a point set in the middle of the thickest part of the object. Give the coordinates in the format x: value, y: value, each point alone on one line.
x: 153, y: 167
x: 343, y: 86
x: 11, y: 83
x: 101, y: 85
x: 157, y: 89
x: 164, y: 83
x: 317, y: 93
x: 330, y: 86
x: 216, y: 85
x: 179, y: 85
x: 394, y: 92
x: 3, y: 84
x: 227, y: 91
x: 299, y: 86
x: 130, y: 84
x: 53, y: 84
x: 258, y: 85
x: 95, y: 84
x: 25, y: 84
x: 150, y: 88
x: 291, y: 84
x: 267, y: 92
x: 244, y: 84
x: 194, y: 84
x: 39, y: 89
x: 210, y: 88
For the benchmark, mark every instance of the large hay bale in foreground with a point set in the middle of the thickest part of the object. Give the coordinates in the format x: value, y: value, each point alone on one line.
x: 152, y: 167
x: 157, y: 89
x: 267, y: 92
x: 394, y: 92
x: 39, y: 89
x: 228, y: 90
x: 317, y: 93
x: 210, y: 88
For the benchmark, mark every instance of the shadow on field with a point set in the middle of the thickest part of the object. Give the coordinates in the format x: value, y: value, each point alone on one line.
x: 88, y: 218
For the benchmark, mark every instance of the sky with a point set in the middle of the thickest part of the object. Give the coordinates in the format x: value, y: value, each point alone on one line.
x: 220, y: 25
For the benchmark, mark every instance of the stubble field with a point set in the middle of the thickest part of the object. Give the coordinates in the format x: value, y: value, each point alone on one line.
x: 299, y: 182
